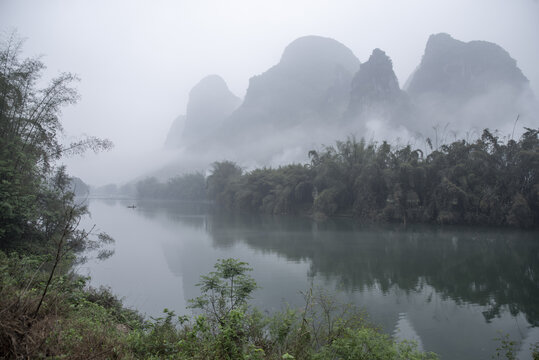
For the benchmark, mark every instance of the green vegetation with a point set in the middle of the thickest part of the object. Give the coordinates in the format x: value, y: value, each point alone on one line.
x: 228, y: 329
x: 72, y: 322
x: 488, y: 182
x: 77, y: 322
x: 36, y: 204
x: 39, y: 216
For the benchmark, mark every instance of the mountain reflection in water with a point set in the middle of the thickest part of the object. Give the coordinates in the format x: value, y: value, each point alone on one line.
x: 451, y: 289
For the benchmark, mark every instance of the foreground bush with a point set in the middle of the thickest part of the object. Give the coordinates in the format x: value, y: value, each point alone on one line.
x: 226, y: 328
x: 73, y: 321
x: 77, y: 322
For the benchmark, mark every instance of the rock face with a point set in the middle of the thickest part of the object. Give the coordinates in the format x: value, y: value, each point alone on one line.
x: 375, y: 92
x: 465, y: 83
x: 210, y: 102
x: 310, y: 83
x: 458, y: 69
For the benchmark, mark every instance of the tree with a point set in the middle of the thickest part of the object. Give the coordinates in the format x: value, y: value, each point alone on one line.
x: 38, y: 211
x: 220, y: 183
x: 224, y: 290
x: 30, y: 132
x: 61, y: 227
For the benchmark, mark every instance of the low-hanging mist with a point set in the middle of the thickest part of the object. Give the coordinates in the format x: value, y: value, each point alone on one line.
x: 320, y: 93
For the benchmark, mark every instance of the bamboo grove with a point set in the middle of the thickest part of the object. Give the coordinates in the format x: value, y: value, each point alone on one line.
x: 489, y: 181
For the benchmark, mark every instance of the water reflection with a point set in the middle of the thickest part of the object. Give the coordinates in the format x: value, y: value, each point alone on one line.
x: 495, y: 268
x: 404, y: 330
x: 450, y: 289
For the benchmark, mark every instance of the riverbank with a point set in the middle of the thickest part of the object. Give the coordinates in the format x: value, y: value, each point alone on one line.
x: 78, y: 322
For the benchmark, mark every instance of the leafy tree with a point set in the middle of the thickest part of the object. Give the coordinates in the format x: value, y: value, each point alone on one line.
x: 488, y: 181
x: 30, y: 130
x: 224, y: 290
x: 38, y: 211
x: 222, y: 184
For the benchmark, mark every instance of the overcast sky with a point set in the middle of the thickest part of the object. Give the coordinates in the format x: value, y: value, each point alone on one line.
x: 139, y: 59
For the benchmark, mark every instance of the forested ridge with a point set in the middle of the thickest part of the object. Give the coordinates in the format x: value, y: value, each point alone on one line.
x: 489, y: 181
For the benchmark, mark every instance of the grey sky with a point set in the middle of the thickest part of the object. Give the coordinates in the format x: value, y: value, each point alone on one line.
x: 139, y: 59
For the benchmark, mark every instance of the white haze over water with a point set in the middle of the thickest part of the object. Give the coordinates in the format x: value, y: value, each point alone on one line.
x: 139, y: 59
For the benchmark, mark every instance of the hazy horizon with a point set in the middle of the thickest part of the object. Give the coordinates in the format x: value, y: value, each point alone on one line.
x: 138, y: 60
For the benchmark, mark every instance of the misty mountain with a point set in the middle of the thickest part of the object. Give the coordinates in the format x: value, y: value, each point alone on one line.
x: 285, y: 106
x: 471, y: 84
x: 210, y: 102
x: 310, y: 83
x: 375, y: 94
x: 319, y: 92
x: 458, y: 69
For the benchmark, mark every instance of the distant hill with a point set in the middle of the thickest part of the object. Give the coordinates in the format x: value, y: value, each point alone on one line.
x: 310, y: 83
x: 210, y: 102
x: 461, y: 70
x: 319, y: 92
x: 306, y: 91
x: 468, y: 84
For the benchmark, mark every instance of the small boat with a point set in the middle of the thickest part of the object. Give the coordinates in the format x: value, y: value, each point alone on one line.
x: 131, y: 206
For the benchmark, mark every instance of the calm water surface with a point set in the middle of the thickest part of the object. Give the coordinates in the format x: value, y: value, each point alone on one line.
x: 450, y: 289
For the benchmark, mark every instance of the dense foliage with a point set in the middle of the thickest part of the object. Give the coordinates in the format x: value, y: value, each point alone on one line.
x: 38, y: 211
x: 488, y: 181
x: 36, y: 204
x: 80, y: 324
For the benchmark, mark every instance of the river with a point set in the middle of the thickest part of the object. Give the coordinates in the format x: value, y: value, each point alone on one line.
x: 451, y: 289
